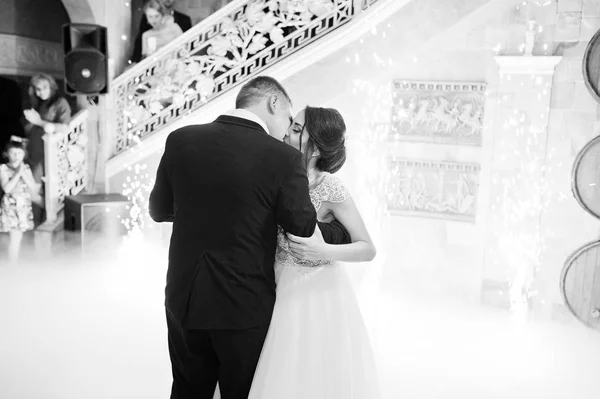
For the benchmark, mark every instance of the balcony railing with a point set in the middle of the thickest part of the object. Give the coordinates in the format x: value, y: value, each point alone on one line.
x: 237, y: 42
x: 65, y: 165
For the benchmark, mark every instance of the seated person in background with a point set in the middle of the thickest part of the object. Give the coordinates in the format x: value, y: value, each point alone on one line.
x: 163, y: 22
x: 50, y: 113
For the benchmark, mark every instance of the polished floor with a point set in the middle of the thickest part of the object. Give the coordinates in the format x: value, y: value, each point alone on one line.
x: 86, y: 321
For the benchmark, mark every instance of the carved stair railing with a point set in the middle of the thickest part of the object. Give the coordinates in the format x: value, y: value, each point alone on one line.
x: 237, y: 42
x: 65, y: 167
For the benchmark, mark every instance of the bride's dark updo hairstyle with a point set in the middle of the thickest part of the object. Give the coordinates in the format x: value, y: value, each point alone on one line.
x: 326, y: 134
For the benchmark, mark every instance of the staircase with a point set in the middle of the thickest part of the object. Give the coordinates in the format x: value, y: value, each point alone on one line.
x: 191, y: 79
x: 65, y: 169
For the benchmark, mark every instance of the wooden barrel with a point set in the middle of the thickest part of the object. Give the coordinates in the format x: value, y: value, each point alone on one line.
x: 591, y: 66
x: 585, y: 177
x: 580, y: 284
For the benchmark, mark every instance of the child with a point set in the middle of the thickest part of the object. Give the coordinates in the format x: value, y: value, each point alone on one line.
x: 16, y: 180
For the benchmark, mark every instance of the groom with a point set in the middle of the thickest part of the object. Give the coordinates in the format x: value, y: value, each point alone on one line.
x: 226, y: 186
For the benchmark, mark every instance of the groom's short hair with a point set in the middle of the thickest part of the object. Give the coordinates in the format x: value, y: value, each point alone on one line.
x: 258, y: 88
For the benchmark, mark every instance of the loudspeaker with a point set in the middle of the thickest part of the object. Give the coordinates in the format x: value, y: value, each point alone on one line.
x: 86, y: 59
x: 99, y: 213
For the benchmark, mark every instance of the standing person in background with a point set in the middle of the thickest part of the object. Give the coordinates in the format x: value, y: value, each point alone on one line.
x: 180, y: 19
x: 164, y: 29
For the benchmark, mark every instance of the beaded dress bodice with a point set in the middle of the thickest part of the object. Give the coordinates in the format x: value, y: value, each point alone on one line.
x: 331, y: 189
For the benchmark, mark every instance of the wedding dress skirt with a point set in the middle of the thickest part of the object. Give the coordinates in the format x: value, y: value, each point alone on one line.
x: 317, y: 346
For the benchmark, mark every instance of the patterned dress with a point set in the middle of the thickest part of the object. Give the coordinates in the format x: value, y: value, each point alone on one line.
x: 15, y: 208
x: 317, y: 346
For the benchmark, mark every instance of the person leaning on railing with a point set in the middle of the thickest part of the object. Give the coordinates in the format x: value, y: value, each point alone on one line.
x: 50, y: 113
x: 158, y: 15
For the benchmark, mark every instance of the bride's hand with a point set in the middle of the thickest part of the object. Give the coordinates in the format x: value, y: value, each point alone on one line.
x: 308, y: 248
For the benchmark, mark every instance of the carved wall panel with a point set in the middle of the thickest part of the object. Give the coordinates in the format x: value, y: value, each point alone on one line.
x: 432, y: 189
x: 438, y: 112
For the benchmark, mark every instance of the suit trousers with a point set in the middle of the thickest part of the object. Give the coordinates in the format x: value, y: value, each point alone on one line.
x: 201, y: 358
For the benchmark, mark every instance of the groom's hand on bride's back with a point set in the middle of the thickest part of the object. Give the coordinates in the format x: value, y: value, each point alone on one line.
x: 308, y: 248
x: 315, y: 246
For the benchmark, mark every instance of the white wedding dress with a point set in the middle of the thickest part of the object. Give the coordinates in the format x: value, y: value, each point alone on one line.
x: 317, y: 346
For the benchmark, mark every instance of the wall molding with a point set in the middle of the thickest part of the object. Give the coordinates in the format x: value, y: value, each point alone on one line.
x: 22, y: 56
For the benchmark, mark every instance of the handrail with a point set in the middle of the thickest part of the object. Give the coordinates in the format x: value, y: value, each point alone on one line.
x: 150, y: 64
x: 235, y: 43
x: 65, y: 165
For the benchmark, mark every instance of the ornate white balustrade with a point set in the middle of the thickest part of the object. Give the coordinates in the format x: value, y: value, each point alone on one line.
x: 65, y: 165
x: 237, y: 42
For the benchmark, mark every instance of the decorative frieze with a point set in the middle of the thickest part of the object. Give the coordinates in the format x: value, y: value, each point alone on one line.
x: 438, y: 112
x: 433, y: 189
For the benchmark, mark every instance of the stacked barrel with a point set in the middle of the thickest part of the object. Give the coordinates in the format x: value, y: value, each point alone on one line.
x: 580, y: 278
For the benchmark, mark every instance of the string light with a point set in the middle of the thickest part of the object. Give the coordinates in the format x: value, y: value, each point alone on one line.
x: 525, y: 193
x: 137, y: 189
x: 368, y: 143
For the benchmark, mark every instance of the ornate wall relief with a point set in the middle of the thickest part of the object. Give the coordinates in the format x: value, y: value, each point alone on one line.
x: 433, y: 189
x: 438, y: 112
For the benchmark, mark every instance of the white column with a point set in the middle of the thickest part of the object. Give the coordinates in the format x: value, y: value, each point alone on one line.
x: 514, y: 164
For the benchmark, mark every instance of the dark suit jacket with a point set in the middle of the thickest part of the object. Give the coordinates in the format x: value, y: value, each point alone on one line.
x: 11, y: 111
x: 184, y: 22
x: 226, y: 186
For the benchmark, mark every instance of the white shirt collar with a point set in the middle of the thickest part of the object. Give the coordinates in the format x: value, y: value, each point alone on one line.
x: 245, y: 114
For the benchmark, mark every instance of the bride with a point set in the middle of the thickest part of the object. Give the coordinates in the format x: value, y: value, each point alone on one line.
x: 317, y: 346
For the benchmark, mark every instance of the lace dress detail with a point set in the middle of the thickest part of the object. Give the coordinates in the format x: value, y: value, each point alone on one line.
x: 332, y: 190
